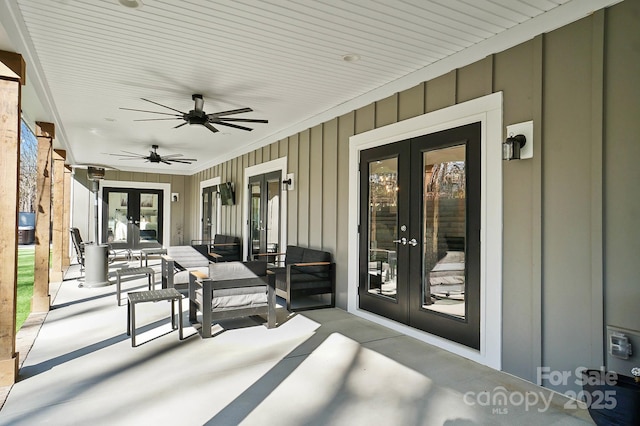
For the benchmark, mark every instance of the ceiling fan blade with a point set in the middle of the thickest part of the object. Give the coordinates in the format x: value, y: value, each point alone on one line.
x: 180, y: 125
x: 210, y: 127
x: 163, y: 106
x: 165, y: 162
x: 130, y: 156
x: 152, y: 112
x: 134, y: 158
x: 181, y: 161
x: 234, y: 126
x: 158, y: 119
x: 232, y: 111
x: 172, y: 155
x: 246, y: 120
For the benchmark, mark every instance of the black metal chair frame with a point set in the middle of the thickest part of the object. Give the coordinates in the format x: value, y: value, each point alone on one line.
x: 209, y: 287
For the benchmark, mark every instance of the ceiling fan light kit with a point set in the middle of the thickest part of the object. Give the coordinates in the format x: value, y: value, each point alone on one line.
x: 198, y: 116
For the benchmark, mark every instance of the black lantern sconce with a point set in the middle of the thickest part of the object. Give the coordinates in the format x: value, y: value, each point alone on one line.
x: 519, y: 143
x: 512, y: 146
x: 288, y: 183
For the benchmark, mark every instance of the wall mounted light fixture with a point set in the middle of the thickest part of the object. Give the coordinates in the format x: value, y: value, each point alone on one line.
x: 519, y: 142
x: 512, y: 146
x: 288, y: 183
x: 95, y: 173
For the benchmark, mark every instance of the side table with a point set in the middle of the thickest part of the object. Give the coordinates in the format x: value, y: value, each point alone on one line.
x: 150, y: 273
x: 146, y: 252
x: 170, y: 294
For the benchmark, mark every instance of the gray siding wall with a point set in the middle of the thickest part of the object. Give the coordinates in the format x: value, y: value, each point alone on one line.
x: 621, y: 171
x: 579, y: 85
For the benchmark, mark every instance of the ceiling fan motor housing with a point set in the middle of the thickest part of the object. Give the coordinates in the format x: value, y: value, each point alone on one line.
x: 195, y: 117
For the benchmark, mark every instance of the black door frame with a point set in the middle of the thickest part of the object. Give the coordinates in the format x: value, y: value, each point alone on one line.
x: 263, y: 181
x: 133, y: 212
x: 407, y: 307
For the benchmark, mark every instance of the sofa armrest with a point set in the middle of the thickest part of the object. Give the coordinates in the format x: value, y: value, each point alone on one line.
x: 311, y: 264
x: 168, y: 269
x: 265, y: 257
x: 194, y: 285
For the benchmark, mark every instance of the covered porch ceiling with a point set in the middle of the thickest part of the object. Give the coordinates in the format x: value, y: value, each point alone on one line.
x: 295, y: 63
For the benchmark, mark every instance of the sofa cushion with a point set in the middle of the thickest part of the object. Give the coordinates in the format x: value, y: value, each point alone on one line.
x: 237, y: 270
x: 182, y: 277
x: 244, y: 297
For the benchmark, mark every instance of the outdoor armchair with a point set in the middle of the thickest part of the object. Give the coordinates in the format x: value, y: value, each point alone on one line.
x: 232, y: 290
x: 306, y: 272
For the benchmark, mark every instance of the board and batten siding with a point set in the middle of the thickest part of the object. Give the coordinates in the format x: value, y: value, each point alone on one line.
x: 554, y: 279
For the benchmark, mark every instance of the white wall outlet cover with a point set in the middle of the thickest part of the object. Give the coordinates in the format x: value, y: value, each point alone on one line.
x: 526, y: 129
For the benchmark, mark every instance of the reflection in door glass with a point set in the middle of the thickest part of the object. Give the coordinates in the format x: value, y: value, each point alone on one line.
x: 149, y: 217
x: 273, y: 216
x: 383, y: 226
x: 209, y: 211
x: 444, y: 229
x: 256, y: 225
x: 118, y: 217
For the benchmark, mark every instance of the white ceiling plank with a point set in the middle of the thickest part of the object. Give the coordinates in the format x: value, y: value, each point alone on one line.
x: 280, y: 57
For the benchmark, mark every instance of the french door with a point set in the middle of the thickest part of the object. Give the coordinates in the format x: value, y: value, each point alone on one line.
x: 419, y: 261
x: 264, y: 213
x: 209, y: 212
x: 132, y: 218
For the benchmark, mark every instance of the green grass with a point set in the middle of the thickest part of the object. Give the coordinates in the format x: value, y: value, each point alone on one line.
x: 26, y: 258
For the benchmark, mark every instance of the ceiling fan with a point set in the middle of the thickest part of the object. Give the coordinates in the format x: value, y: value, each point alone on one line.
x: 198, y: 116
x: 154, y: 157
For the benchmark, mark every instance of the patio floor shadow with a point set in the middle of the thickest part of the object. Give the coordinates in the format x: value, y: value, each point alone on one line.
x: 320, y: 367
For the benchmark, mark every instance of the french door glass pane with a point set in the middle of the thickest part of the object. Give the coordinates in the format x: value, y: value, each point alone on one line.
x: 118, y: 217
x: 256, y: 222
x: 209, y: 198
x: 149, y: 217
x: 206, y: 216
x: 383, y: 226
x: 444, y: 229
x: 273, y: 216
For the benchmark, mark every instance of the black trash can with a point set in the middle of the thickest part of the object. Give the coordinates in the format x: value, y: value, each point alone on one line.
x: 26, y: 234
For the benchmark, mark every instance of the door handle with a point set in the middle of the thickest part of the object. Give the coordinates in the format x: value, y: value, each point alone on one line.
x: 413, y: 242
x: 402, y: 241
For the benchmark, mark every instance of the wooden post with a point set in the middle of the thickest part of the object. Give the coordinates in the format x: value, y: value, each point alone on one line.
x: 45, y: 132
x: 57, y: 203
x: 66, y: 219
x: 12, y: 73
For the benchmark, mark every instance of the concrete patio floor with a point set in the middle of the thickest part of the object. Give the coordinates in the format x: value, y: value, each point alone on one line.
x: 322, y: 367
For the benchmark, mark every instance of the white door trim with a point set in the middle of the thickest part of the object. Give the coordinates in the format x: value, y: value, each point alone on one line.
x: 279, y: 164
x: 488, y: 111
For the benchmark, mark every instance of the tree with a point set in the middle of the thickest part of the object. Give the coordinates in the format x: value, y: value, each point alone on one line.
x: 28, y: 168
